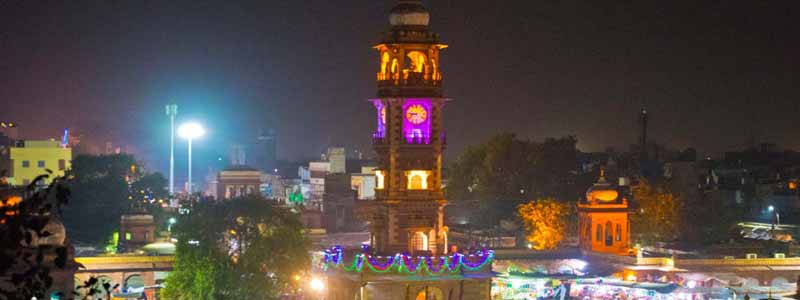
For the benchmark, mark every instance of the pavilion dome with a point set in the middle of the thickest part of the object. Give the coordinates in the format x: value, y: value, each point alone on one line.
x: 602, y: 191
x: 409, y: 13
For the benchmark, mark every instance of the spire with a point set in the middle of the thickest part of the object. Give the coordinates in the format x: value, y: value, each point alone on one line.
x: 602, y: 174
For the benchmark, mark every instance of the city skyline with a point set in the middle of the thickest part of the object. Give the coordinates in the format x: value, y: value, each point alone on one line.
x: 536, y: 69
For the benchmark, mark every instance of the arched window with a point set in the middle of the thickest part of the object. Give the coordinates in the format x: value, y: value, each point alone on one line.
x: 618, y: 233
x: 380, y: 180
x: 609, y: 237
x: 417, y: 61
x: 415, y: 182
x: 384, y: 62
x: 394, y: 66
x: 134, y: 283
x: 599, y: 235
x: 419, y: 241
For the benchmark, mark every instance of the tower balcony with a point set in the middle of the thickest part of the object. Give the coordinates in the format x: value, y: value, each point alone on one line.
x: 409, y: 84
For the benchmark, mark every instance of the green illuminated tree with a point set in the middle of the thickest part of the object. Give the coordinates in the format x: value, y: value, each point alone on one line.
x: 244, y: 248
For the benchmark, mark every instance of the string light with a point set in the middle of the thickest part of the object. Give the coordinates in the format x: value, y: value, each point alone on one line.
x: 408, y: 264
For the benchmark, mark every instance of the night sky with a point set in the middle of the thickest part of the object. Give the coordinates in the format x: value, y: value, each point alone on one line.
x: 713, y: 75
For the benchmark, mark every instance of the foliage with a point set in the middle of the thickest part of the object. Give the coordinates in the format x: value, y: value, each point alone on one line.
x: 23, y: 216
x: 657, y: 217
x: 244, y: 248
x: 103, y: 188
x: 545, y: 222
x: 113, y: 243
x: 505, y: 171
x: 100, y: 196
x: 152, y: 187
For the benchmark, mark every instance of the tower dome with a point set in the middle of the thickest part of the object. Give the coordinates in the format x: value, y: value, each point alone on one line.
x: 409, y: 13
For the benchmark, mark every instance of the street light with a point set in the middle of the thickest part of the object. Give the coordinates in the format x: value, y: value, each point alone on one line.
x: 171, y: 222
x: 172, y: 111
x: 190, y: 131
x: 777, y: 215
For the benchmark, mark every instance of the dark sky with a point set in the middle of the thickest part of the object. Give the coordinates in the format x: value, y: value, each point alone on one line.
x: 713, y: 74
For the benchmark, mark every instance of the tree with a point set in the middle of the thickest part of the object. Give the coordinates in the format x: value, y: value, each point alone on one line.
x: 244, y: 248
x: 23, y: 216
x: 103, y: 188
x: 505, y: 171
x: 545, y: 222
x: 657, y: 217
x: 99, y: 196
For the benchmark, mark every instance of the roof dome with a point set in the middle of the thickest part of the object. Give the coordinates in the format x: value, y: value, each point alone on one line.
x: 602, y: 191
x: 409, y: 13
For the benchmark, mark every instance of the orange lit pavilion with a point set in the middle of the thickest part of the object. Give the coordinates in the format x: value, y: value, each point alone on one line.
x: 603, y: 219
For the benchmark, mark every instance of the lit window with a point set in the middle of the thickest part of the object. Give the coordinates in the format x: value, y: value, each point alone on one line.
x: 128, y: 236
x: 417, y: 61
x: 419, y: 242
x: 417, y: 179
x: 619, y: 232
x: 381, y: 179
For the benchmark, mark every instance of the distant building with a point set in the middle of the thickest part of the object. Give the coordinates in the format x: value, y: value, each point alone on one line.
x: 337, y: 158
x: 338, y: 203
x: 32, y: 158
x: 237, y: 181
x: 317, y: 172
x: 136, y: 229
x: 364, y: 183
x: 272, y: 187
x: 9, y: 129
x: 5, y: 155
x: 265, y: 152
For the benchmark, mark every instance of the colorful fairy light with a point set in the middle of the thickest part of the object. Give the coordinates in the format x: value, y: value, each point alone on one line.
x: 408, y: 264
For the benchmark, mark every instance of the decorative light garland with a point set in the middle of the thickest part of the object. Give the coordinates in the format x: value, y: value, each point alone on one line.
x: 405, y: 263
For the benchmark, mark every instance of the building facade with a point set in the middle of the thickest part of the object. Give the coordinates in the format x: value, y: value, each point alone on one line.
x: 30, y: 159
x: 238, y: 181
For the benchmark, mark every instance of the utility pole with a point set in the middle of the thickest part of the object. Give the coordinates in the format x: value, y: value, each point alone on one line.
x: 172, y: 111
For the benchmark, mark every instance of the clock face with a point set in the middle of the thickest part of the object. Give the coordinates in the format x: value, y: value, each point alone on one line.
x: 416, y: 114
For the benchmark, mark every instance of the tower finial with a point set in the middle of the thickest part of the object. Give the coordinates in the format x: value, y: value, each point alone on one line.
x: 602, y: 174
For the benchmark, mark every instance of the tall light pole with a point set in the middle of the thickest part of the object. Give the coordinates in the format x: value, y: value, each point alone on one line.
x: 777, y: 215
x: 172, y: 111
x: 190, y: 131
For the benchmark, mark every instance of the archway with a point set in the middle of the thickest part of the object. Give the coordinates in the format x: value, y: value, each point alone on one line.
x: 415, y: 182
x: 133, y: 284
x: 419, y: 241
x: 429, y: 293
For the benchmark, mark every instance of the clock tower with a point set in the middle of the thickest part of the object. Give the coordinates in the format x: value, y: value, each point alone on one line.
x: 407, y: 214
x: 408, y: 256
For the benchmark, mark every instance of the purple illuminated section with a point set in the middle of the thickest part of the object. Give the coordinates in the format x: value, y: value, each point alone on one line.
x: 417, y: 133
x: 380, y: 131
